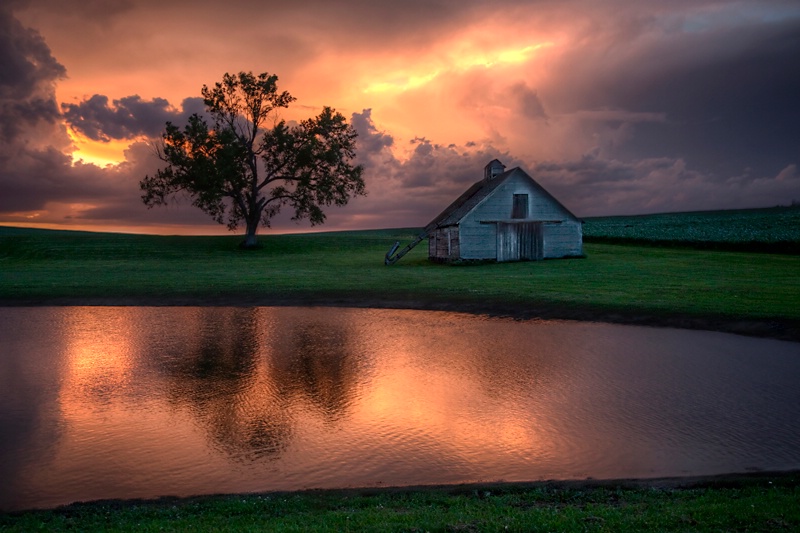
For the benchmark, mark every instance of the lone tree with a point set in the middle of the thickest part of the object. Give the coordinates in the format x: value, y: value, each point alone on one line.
x: 237, y: 171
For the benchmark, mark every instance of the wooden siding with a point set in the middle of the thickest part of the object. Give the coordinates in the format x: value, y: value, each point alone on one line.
x: 443, y: 244
x: 519, y: 241
x: 483, y: 228
x: 455, y: 243
x: 563, y: 240
x: 479, y: 240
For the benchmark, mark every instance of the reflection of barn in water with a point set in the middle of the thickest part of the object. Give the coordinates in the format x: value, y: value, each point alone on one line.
x: 506, y: 216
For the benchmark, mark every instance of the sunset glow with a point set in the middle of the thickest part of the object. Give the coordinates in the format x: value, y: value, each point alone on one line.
x: 627, y: 108
x: 97, y: 153
x: 509, y: 56
x: 403, y: 83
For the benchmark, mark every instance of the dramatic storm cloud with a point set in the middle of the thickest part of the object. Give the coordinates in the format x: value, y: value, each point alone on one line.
x: 616, y: 107
x: 32, y: 135
x: 127, y: 118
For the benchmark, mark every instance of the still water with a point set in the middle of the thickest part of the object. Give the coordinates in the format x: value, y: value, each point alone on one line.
x: 128, y: 402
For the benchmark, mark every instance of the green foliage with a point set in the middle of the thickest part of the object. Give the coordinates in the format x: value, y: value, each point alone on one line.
x: 313, y: 158
x: 760, y: 230
x: 210, y: 166
x: 236, y: 171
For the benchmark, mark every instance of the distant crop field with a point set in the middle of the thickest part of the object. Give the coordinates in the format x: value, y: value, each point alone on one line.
x: 774, y: 230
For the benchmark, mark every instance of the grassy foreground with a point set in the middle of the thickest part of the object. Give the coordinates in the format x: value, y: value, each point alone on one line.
x: 623, y: 283
x: 730, y: 503
x: 693, y: 288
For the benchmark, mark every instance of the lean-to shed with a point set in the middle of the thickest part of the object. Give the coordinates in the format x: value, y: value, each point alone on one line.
x: 506, y: 216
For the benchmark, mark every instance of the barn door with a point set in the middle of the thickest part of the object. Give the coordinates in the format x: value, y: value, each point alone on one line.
x: 516, y: 241
x: 530, y: 241
x: 507, y: 242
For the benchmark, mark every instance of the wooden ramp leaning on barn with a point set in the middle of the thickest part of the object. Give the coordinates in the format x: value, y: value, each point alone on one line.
x: 436, y: 223
x: 391, y: 258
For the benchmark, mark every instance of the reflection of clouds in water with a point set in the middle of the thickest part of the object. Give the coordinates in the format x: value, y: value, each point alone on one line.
x: 211, y: 366
x: 29, y: 388
x: 499, y: 355
x: 99, y: 357
x: 318, y: 367
x: 138, y: 402
x: 245, y: 373
x: 458, y: 390
x: 381, y: 392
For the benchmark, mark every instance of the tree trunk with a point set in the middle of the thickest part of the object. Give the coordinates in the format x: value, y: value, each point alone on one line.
x: 253, y: 214
x: 250, y: 239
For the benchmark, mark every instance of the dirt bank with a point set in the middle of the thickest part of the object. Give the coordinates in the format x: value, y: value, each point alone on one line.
x: 783, y: 329
x: 789, y: 478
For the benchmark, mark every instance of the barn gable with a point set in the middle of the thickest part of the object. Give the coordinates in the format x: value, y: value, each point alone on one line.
x: 506, y: 216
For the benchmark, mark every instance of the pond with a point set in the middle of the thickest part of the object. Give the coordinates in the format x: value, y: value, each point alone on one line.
x: 140, y: 402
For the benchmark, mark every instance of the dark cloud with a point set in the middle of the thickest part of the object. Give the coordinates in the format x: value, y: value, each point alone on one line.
x: 26, y: 64
x: 126, y: 118
x: 527, y: 102
x: 31, y: 155
x: 741, y: 110
x: 429, y: 168
x: 31, y: 177
x: 18, y: 115
x: 409, y: 189
x: 639, y: 108
x: 370, y: 140
x: 727, y: 95
x: 39, y: 181
x: 588, y: 170
x: 594, y: 185
x: 28, y: 73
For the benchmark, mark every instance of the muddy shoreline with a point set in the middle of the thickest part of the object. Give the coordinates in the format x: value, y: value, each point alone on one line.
x: 787, y: 478
x: 781, y: 329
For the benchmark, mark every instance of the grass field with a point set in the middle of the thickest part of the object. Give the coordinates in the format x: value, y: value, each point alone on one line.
x: 759, y: 503
x: 612, y: 282
x: 775, y: 229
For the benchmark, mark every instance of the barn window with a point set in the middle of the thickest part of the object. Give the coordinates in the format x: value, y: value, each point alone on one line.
x: 520, y: 209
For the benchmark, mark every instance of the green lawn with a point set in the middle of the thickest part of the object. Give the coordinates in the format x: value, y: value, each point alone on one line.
x: 66, y: 267
x: 761, y: 503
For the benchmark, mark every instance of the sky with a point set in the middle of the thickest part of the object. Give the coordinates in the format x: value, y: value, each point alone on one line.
x: 616, y: 107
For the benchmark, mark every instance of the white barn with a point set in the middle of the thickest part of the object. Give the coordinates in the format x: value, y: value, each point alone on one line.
x: 506, y: 216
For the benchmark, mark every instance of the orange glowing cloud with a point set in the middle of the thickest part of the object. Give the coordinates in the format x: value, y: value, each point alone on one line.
x: 97, y: 153
x: 403, y: 81
x: 579, y: 93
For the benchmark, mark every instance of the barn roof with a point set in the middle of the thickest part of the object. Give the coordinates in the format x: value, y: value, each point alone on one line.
x: 467, y: 201
x: 476, y: 194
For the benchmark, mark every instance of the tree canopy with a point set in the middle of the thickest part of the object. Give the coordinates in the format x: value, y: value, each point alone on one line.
x: 238, y: 171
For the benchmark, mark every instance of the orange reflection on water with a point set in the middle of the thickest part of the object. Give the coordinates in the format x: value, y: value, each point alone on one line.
x: 111, y: 422
x: 97, y: 350
x: 264, y: 383
x: 435, y: 393
x: 156, y: 401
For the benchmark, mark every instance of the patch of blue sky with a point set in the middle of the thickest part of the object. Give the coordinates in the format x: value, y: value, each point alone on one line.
x: 739, y: 14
